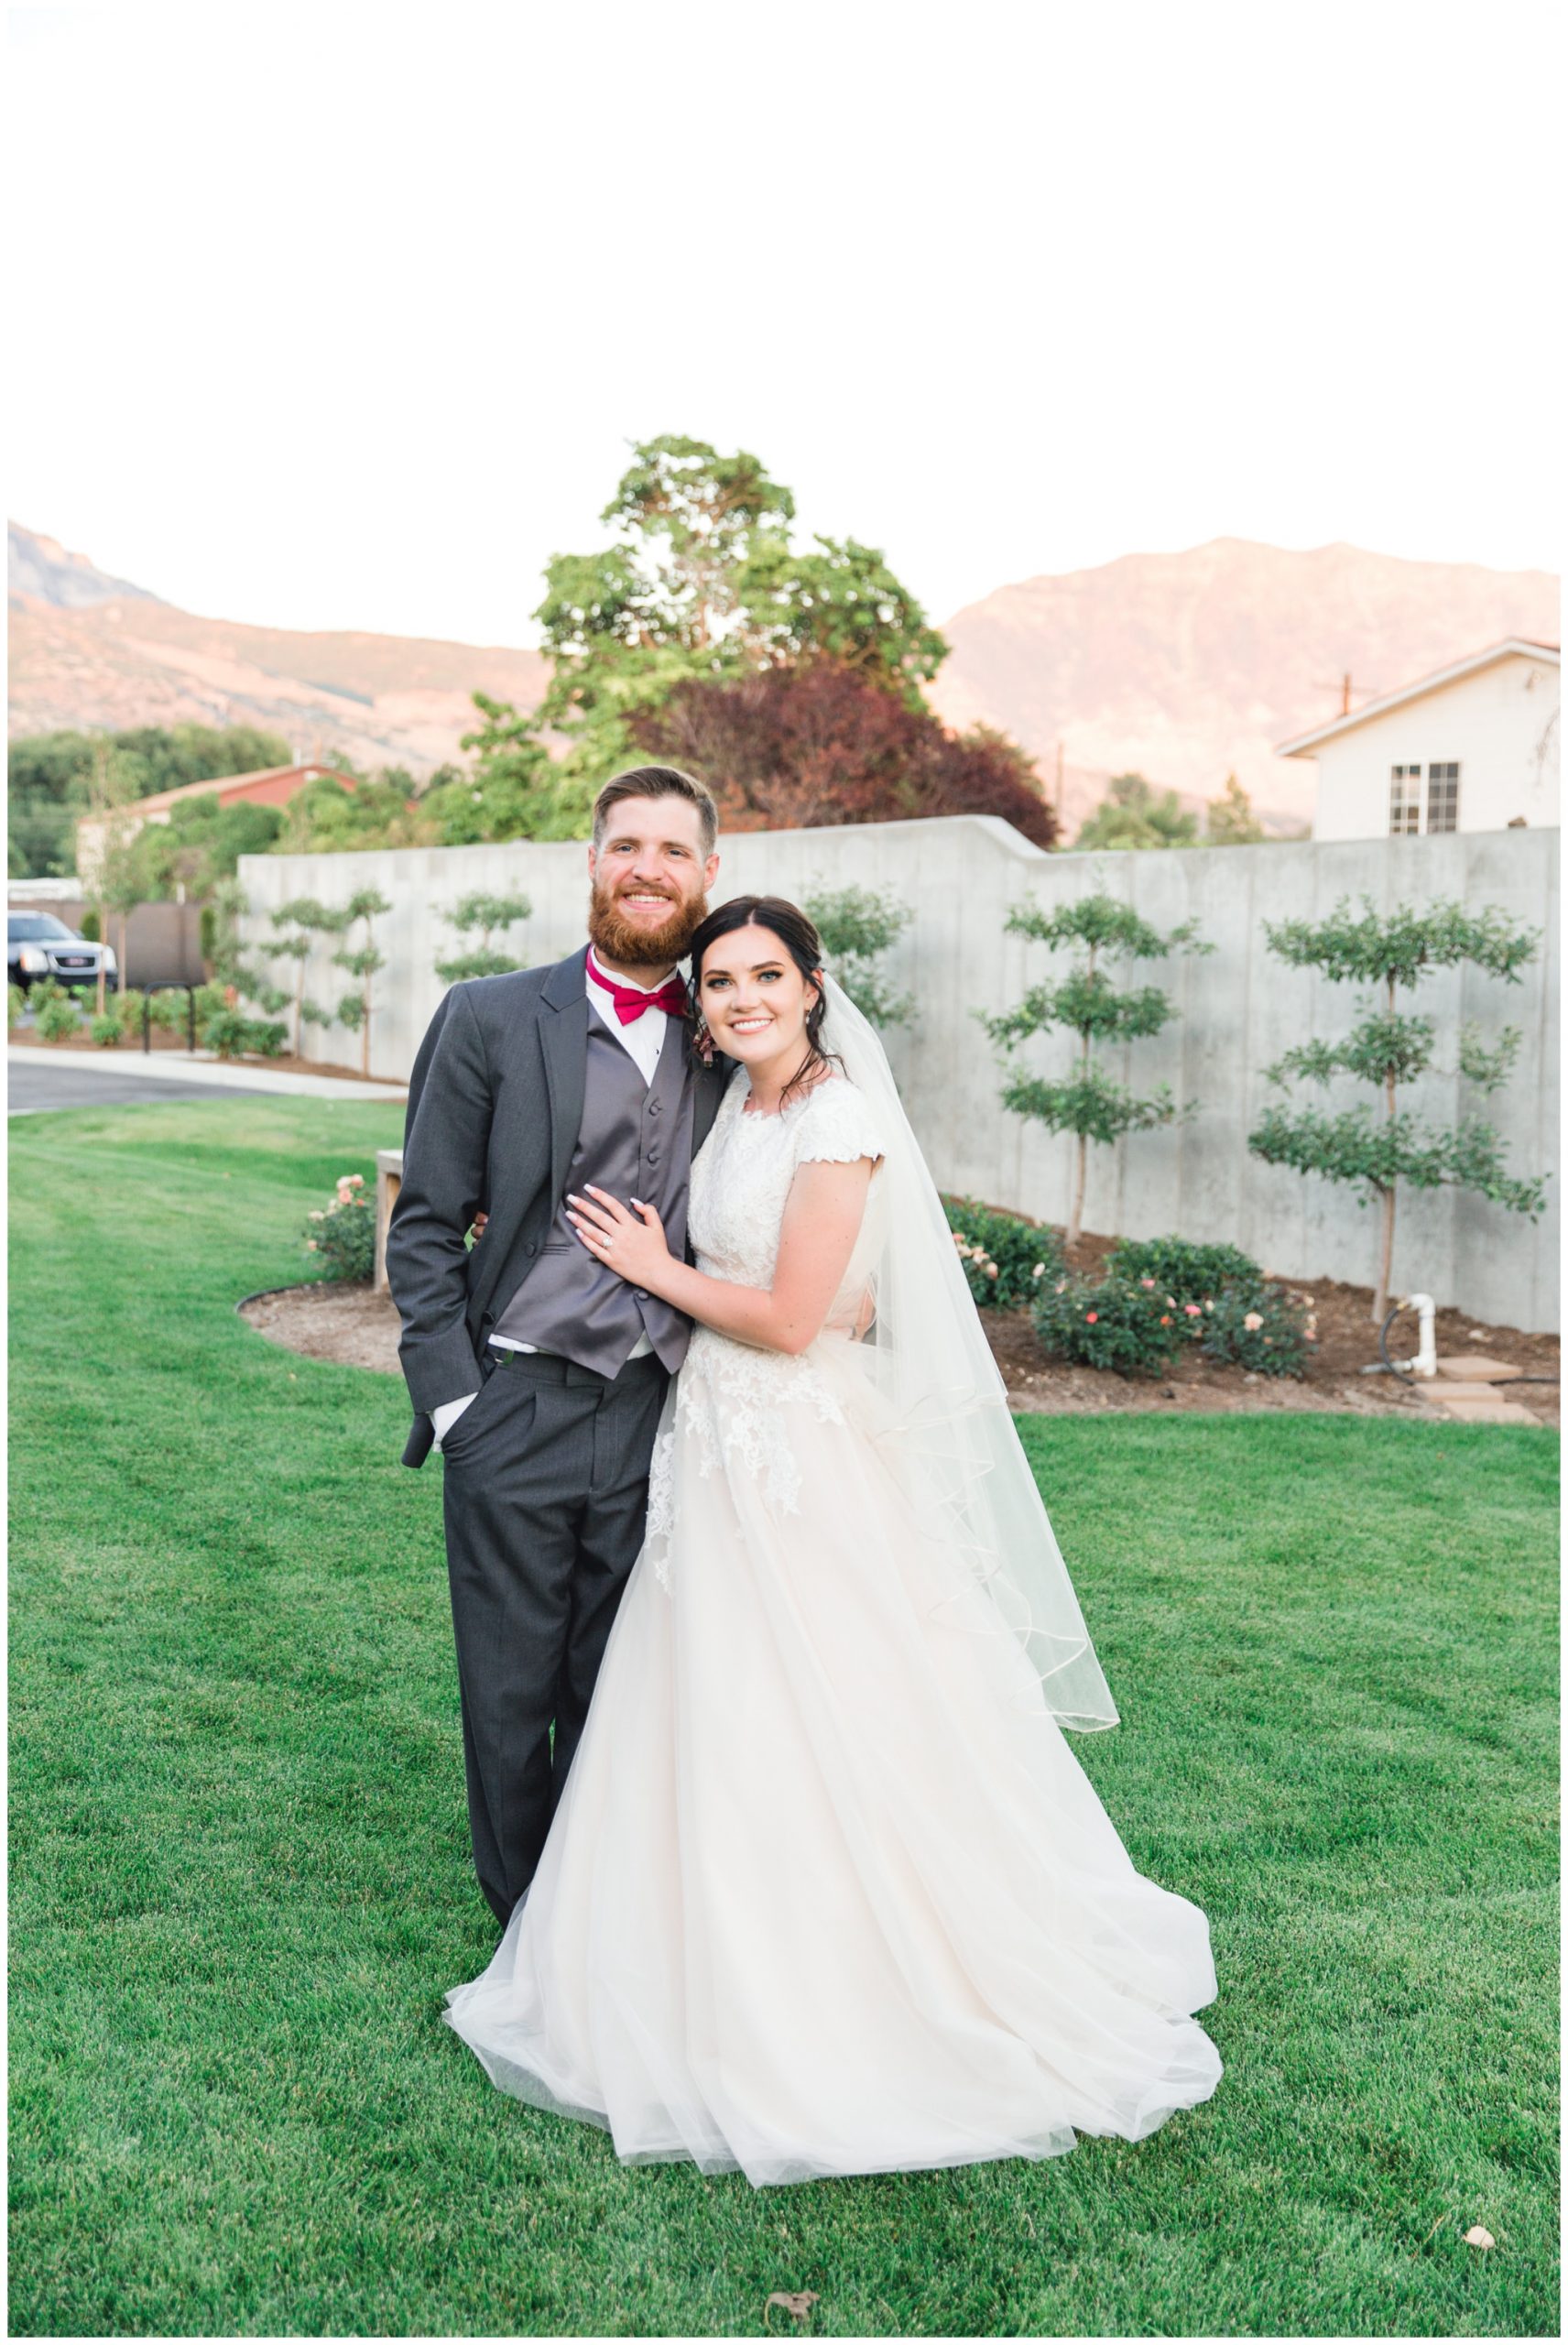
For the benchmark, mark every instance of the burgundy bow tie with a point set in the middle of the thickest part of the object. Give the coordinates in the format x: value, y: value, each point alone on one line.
x: 631, y: 1002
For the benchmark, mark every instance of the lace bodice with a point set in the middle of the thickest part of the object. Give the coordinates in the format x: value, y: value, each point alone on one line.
x: 741, y: 1177
x: 732, y: 1401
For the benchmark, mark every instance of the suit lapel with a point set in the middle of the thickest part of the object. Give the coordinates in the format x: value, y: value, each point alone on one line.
x: 564, y: 1040
x: 711, y: 1081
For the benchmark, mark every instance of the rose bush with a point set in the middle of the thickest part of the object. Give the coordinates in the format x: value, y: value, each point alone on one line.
x: 343, y: 1234
x: 1005, y: 1259
x: 1271, y: 1329
x: 1127, y: 1325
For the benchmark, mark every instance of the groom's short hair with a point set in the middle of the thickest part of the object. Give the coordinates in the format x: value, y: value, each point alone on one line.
x: 657, y: 781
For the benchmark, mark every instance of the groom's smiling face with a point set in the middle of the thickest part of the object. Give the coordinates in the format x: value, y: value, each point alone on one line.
x: 650, y: 883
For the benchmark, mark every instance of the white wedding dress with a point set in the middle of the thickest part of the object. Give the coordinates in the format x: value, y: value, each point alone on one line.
x: 827, y: 1892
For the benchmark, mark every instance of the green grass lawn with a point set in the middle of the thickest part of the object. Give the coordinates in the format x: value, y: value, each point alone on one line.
x: 241, y: 1880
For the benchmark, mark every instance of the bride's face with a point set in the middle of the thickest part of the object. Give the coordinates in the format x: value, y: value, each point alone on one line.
x: 754, y: 997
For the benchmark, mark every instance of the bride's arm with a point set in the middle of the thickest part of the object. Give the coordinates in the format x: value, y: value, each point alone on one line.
x: 822, y: 1221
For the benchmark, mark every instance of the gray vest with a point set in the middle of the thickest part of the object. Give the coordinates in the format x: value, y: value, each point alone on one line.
x: 635, y: 1141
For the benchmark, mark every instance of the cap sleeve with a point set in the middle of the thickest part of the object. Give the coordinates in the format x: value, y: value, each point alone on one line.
x: 837, y: 1125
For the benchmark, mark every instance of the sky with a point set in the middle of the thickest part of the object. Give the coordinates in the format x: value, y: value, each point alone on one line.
x: 345, y: 316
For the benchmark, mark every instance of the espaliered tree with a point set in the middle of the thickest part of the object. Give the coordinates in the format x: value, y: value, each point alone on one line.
x: 1088, y: 1004
x: 298, y: 922
x: 1374, y: 1149
x: 857, y: 926
x: 484, y: 914
x: 362, y: 961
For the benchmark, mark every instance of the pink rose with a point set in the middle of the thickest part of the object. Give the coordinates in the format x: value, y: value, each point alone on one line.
x: 1091, y: 1317
x: 1192, y: 1311
x: 1253, y: 1321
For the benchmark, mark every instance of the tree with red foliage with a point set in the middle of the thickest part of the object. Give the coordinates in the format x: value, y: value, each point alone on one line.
x: 820, y: 744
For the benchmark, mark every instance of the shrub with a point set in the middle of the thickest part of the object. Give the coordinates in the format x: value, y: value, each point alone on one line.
x: 231, y: 1035
x: 126, y: 1006
x: 107, y: 1031
x: 59, y: 1018
x: 1189, y: 1273
x: 170, y: 1011
x: 1119, y: 1324
x: 1268, y: 1329
x: 16, y: 1002
x: 1004, y: 1256
x: 343, y: 1233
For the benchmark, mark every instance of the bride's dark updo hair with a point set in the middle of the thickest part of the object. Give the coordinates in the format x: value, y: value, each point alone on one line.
x: 804, y: 946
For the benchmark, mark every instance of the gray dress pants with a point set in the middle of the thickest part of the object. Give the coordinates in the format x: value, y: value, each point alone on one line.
x: 545, y: 1493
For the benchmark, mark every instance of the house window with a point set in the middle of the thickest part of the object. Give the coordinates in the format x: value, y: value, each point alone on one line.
x: 1404, y: 800
x: 1443, y: 797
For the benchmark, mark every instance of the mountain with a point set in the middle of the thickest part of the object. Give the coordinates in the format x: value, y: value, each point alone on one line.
x: 41, y: 567
x: 126, y: 658
x: 1183, y: 667
x: 1186, y: 667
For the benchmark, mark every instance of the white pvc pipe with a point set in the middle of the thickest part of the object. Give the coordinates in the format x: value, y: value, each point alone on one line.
x: 1425, y: 1360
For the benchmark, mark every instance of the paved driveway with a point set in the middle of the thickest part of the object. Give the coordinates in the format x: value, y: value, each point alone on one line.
x: 31, y: 1090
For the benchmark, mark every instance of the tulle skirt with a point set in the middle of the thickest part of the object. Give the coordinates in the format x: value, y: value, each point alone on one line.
x: 827, y: 1892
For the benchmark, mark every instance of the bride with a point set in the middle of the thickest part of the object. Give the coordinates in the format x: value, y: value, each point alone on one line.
x: 827, y: 1892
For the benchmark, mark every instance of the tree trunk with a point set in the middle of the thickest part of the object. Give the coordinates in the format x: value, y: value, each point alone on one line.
x: 365, y: 1033
x: 102, y: 910
x: 1385, y: 1257
x: 1079, y: 1172
x: 124, y: 923
x: 1388, y: 1197
x: 299, y: 1013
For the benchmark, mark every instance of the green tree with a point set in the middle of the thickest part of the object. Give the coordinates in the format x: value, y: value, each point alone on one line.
x: 482, y: 914
x: 202, y: 844
x: 48, y: 776
x: 515, y: 789
x: 297, y: 925
x: 1132, y: 814
x: 1231, y: 820
x: 1375, y: 1152
x: 699, y: 582
x: 361, y: 961
x: 332, y: 817
x: 840, y: 603
x: 109, y: 878
x: 1088, y: 1004
x: 858, y: 926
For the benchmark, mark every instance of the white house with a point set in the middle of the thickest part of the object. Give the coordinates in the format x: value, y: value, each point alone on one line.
x: 1472, y: 748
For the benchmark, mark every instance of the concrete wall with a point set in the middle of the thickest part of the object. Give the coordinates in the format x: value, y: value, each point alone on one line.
x: 1500, y: 724
x: 1240, y: 1008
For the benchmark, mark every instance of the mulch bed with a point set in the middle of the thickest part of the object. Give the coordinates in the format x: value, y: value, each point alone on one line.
x: 340, y: 1321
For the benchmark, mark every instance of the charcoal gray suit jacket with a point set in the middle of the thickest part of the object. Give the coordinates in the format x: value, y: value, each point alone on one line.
x: 494, y: 1105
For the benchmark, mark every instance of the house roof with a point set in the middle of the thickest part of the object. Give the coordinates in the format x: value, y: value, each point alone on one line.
x: 235, y: 785
x: 1305, y: 745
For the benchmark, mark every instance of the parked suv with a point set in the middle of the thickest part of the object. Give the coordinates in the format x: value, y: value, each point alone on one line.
x: 38, y: 945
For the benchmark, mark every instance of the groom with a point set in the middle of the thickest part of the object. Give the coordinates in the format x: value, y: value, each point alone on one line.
x: 535, y: 1370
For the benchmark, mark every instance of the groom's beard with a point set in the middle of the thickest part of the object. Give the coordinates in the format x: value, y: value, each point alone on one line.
x: 633, y: 947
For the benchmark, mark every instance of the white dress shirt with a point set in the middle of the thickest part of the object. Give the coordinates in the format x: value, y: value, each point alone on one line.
x: 642, y: 1039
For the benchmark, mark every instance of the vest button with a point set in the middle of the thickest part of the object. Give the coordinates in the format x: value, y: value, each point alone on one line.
x: 653, y: 1106
x: 530, y: 1249
x: 640, y: 1292
x: 653, y: 1156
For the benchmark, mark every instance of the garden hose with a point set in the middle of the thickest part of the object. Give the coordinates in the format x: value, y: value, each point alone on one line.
x: 1393, y: 1367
